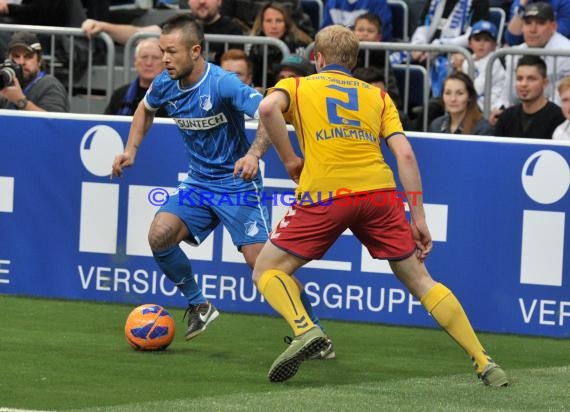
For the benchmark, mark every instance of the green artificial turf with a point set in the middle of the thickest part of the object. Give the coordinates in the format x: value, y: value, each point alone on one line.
x: 70, y: 355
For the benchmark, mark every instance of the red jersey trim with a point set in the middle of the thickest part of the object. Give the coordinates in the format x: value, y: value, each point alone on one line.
x: 382, y: 96
x: 302, y: 132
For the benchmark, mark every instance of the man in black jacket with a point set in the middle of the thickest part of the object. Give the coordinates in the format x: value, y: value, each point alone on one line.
x: 534, y: 116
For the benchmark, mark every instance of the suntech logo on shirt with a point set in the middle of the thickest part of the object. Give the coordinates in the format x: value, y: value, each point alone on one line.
x: 202, y: 123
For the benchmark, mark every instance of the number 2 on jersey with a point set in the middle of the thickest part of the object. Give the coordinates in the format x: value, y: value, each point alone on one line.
x: 351, y: 104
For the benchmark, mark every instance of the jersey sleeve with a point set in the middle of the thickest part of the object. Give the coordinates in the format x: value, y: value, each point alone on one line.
x: 390, y: 118
x: 153, y: 98
x: 242, y: 97
x: 287, y: 86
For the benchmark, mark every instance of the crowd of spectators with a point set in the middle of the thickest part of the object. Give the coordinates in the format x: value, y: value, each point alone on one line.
x: 456, y: 99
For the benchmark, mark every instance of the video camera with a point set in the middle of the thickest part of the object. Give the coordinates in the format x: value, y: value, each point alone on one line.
x: 8, y: 72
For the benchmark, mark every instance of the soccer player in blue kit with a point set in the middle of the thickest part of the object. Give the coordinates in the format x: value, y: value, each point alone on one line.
x: 208, y: 105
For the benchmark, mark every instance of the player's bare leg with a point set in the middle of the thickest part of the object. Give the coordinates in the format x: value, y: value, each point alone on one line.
x: 165, y: 234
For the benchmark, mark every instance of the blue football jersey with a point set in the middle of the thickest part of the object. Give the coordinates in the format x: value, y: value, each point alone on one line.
x: 210, y: 117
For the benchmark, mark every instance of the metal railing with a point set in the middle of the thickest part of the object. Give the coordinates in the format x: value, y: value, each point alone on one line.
x: 51, y: 59
x: 509, y: 84
x: 408, y: 69
x: 405, y: 18
x: 128, y: 71
x: 388, y: 47
x: 498, y: 17
x: 225, y: 39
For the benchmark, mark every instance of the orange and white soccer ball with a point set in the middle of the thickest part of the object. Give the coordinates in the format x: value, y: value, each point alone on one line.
x: 149, y: 327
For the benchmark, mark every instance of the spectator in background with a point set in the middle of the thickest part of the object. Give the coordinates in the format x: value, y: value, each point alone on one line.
x: 294, y: 66
x: 534, y: 116
x: 274, y: 21
x: 375, y: 77
x: 148, y: 64
x: 237, y: 61
x: 539, y: 31
x: 562, y: 132
x: 345, y: 12
x: 444, y: 23
x: 245, y: 11
x: 448, y: 22
x: 206, y: 11
x: 34, y: 90
x: 462, y: 113
x: 483, y: 42
x: 368, y: 27
x: 513, y: 34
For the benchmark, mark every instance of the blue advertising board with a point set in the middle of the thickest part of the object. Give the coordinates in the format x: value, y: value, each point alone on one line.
x: 496, y: 207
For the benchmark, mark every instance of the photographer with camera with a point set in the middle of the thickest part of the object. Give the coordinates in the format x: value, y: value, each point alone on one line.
x: 23, y: 84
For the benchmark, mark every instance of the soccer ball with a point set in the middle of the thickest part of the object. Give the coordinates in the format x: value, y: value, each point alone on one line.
x: 149, y: 327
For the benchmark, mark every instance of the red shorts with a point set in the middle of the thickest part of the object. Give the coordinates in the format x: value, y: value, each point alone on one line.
x: 308, y: 232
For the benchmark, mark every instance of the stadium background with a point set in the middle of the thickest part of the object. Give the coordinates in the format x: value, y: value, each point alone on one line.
x: 497, y: 209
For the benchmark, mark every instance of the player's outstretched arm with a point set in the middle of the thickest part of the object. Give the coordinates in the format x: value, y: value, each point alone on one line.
x: 271, y: 114
x: 142, y: 120
x: 409, y: 174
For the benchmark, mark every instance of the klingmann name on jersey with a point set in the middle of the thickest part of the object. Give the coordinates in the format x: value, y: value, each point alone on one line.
x: 202, y: 123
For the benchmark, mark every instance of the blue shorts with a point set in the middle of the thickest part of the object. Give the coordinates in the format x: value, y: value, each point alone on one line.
x: 233, y: 202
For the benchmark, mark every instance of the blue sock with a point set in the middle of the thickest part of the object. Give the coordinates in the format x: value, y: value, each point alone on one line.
x: 309, y: 308
x: 176, y: 266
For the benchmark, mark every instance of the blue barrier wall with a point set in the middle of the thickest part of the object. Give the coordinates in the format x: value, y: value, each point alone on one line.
x: 497, y: 209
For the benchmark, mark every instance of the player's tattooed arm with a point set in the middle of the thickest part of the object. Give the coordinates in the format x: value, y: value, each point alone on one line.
x: 261, y: 142
x: 248, y: 165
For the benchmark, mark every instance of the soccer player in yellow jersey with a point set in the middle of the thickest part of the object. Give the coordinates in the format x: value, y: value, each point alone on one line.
x: 343, y: 183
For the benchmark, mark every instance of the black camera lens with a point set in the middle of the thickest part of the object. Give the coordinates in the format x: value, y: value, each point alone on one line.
x: 7, y: 75
x: 9, y: 71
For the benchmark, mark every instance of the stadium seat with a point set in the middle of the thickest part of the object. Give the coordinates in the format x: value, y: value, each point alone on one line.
x: 314, y: 9
x: 498, y: 17
x: 400, y: 19
x: 414, y: 91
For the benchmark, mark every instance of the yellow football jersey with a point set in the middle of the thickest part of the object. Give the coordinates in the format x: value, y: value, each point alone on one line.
x: 339, y: 121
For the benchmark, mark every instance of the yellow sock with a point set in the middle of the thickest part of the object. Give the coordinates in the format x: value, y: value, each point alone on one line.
x: 447, y: 311
x: 283, y: 294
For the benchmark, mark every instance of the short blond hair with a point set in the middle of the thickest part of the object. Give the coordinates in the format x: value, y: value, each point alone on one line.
x: 564, y: 84
x: 338, y: 45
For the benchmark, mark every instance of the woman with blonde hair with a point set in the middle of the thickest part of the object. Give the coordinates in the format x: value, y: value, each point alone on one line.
x: 274, y: 21
x: 462, y: 113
